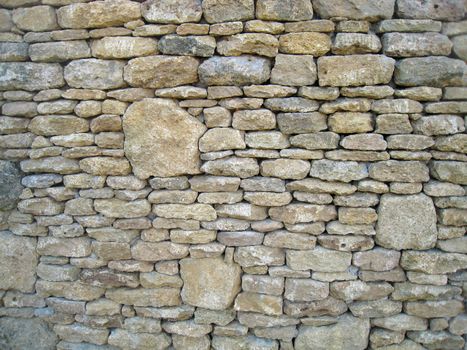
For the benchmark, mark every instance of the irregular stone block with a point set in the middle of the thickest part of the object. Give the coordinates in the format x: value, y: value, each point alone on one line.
x: 210, y: 282
x: 30, y: 76
x: 95, y: 74
x: 355, y: 43
x: 249, y: 43
x: 412, y: 44
x: 168, y: 12
x: 36, y: 19
x: 318, y: 259
x: 169, y: 139
x: 294, y: 70
x: 60, y: 51
x: 400, y: 171
x: 23, y: 333
x: 243, y: 70
x: 98, y: 14
x: 444, y: 10
x: 216, y: 11
x: 308, y: 43
x: 433, y: 261
x: 290, y: 10
x: 161, y: 71
x: 338, y: 171
x: 261, y: 303
x: 50, y: 125
x: 123, y: 47
x: 202, y: 46
x: 355, y: 70
x: 358, y: 10
x: 145, y: 297
x: 69, y: 247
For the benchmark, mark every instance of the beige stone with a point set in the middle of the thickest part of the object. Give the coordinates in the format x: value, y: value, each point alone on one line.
x: 308, y: 43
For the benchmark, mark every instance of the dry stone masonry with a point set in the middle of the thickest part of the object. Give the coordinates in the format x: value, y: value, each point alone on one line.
x: 233, y: 174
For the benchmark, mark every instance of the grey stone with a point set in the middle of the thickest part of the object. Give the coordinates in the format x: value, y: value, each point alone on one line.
x: 338, y: 171
x: 22, y: 333
x: 95, y: 74
x: 294, y: 70
x: 30, y: 76
x: 290, y: 10
x: 414, y: 44
x: 444, y: 10
x: 167, y: 11
x: 244, y: 70
x: 10, y: 185
x: 13, y: 51
x: 216, y: 11
x: 202, y: 46
x: 118, y: 47
x: 354, y: 9
x: 60, y: 51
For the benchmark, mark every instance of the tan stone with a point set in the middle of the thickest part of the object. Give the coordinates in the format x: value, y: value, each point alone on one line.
x: 308, y: 43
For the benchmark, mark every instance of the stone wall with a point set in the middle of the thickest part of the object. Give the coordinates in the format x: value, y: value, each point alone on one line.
x: 233, y: 174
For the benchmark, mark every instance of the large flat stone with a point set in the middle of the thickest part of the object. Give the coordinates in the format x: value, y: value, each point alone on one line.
x: 355, y: 9
x: 30, y: 76
x: 168, y: 11
x: 19, y: 260
x: 93, y: 73
x: 161, y: 71
x: 22, y: 333
x: 355, y: 70
x: 161, y: 139
x: 210, y: 282
x: 406, y: 222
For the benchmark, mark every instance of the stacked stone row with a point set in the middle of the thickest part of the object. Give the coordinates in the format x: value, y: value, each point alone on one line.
x: 278, y: 174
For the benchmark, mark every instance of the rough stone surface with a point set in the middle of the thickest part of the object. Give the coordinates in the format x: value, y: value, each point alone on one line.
x: 30, y: 76
x: 20, y: 333
x: 168, y: 12
x: 170, y: 148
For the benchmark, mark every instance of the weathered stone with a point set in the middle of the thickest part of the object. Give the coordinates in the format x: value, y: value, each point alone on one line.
x: 233, y: 166
x: 319, y: 259
x: 338, y: 171
x: 440, y: 10
x: 244, y: 70
x: 30, y: 76
x: 297, y: 289
x: 378, y: 259
x: 359, y: 290
x: 430, y: 71
x: 202, y: 46
x: 49, y: 125
x: 259, y: 256
x: 431, y: 309
x: 135, y: 341
x: 171, y: 153
x: 10, y: 185
x: 36, y: 19
x: 412, y: 44
x: 70, y: 247
x: 219, y: 139
x: 13, y: 51
x: 401, y: 171
x: 123, y: 209
x: 168, y: 12
x: 416, y: 224
x: 105, y: 166
x: 196, y: 211
x: 401, y: 322
x: 303, y: 73
x: 105, y: 74
x: 353, y: 43
x: 145, y: 297
x: 19, y: 262
x: 355, y: 70
x: 60, y: 51
x: 123, y: 47
x: 308, y: 43
x: 98, y: 14
x: 450, y: 171
x: 335, y: 336
x: 433, y: 262
x: 22, y: 333
x: 161, y: 71
x: 375, y: 308
x: 201, y: 282
x: 216, y: 11
x: 262, y: 303
x: 249, y: 43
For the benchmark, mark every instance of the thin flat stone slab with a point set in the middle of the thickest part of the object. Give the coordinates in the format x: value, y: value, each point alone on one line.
x: 161, y: 139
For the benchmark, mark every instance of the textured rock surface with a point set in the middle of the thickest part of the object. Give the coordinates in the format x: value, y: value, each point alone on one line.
x: 233, y: 174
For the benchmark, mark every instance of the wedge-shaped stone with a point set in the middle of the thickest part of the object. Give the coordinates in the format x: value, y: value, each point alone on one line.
x: 349, y: 333
x: 202, y: 46
x: 400, y: 171
x: 414, y: 44
x: 298, y: 213
x: 201, y: 212
x: 209, y: 283
x: 415, y: 227
x: 92, y: 73
x: 30, y: 76
x: 430, y: 71
x: 280, y: 10
x: 145, y: 297
x: 50, y: 125
x: 166, y: 11
x: 157, y: 251
x: 319, y: 259
x: 243, y: 70
x: 161, y: 71
x: 355, y: 70
x: 98, y: 14
x: 250, y: 43
x: 433, y: 261
x: 165, y: 144
x: 19, y: 262
x: 216, y: 11
x: 117, y: 47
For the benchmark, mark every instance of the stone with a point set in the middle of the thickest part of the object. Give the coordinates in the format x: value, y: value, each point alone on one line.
x: 249, y: 43
x: 378, y: 259
x: 243, y: 70
x: 232, y: 166
x: 431, y: 309
x: 105, y: 74
x: 439, y: 125
x: 168, y: 12
x: 400, y: 322
x: 259, y: 256
x: 460, y: 43
x: 410, y: 292
x: 416, y: 224
x: 400, y: 171
x: 353, y: 43
x: 201, y: 282
x: 355, y: 70
x: 13, y: 51
x: 69, y: 247
x: 274, y: 10
x: 196, y: 211
x: 60, y: 51
x: 30, y: 76
x: 319, y: 259
x: 414, y: 44
x: 335, y: 336
x: 430, y: 71
x: 10, y: 184
x: 262, y: 303
x: 161, y: 71
x: 123, y: 47
x: 359, y: 290
x: 218, y: 139
x: 105, y: 166
x: 23, y: 333
x: 174, y: 152
x: 308, y: 43
x: 285, y: 168
x: 36, y: 19
x: 145, y: 297
x: 438, y: 10
x: 123, y: 209
x: 19, y: 262
x: 202, y: 46
x: 216, y: 11
x: 433, y: 262
x: 338, y: 171
x: 99, y: 14
x: 375, y: 308
x: 58, y: 165
x: 50, y: 125
x: 304, y: 72
x: 450, y: 171
x: 134, y: 341
x: 297, y: 289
